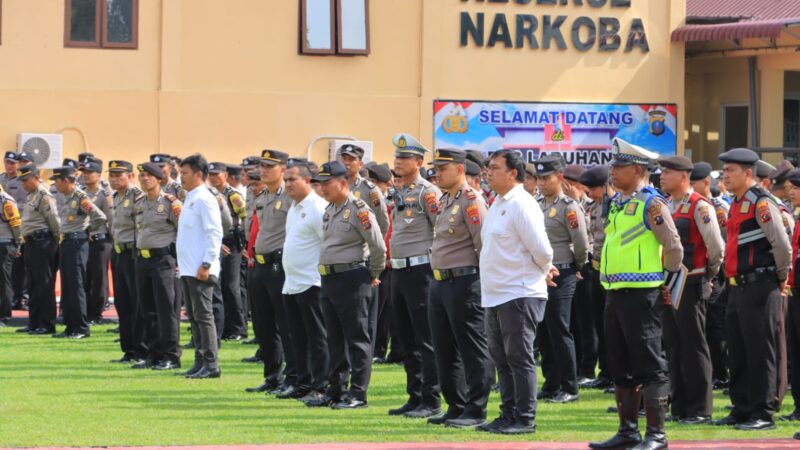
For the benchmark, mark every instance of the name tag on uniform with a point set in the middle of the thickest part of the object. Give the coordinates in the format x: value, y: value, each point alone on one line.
x: 685, y: 209
x: 260, y: 259
x: 745, y: 208
x: 631, y: 209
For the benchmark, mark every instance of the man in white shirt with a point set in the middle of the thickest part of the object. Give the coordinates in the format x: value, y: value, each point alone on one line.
x: 198, y: 247
x: 301, y: 289
x: 516, y: 268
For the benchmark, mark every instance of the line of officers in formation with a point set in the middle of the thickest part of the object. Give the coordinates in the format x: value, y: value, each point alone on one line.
x: 389, y: 260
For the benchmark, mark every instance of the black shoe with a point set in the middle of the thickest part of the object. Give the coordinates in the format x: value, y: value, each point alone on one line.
x: 499, y: 422
x: 609, y: 390
x: 797, y: 436
x: 755, y: 425
x: 23, y: 330
x: 719, y: 384
x: 291, y: 392
x: 563, y: 397
x: 40, y: 332
x: 619, y: 440
x: 423, y: 412
x: 124, y: 360
x: 60, y: 335
x: 728, y: 420
x: 205, y: 373
x: 403, y: 409
x: 442, y: 418
x: 250, y: 342
x: 113, y: 330
x: 197, y: 367
x: 77, y: 336
x: 189, y: 345
x: 795, y: 415
x: 518, y: 427
x: 585, y: 382
x: 251, y: 359
x: 232, y: 337
x: 546, y: 395
x: 143, y: 364
x: 266, y: 386
x: 350, y: 403
x: 465, y: 422
x: 318, y: 400
x: 167, y: 365
x: 695, y: 420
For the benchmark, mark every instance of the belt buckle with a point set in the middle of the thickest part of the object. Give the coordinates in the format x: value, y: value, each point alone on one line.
x: 437, y: 275
x: 399, y: 263
x: 145, y: 253
x: 261, y: 259
x: 323, y: 270
x: 732, y: 281
x: 117, y: 248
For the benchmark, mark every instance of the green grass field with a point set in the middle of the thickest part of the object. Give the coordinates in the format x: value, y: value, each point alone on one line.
x: 66, y: 393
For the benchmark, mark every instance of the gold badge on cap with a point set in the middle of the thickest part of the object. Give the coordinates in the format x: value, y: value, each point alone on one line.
x: 451, y: 231
x: 401, y: 142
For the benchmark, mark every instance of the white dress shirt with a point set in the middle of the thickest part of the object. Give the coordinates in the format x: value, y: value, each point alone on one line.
x: 199, y: 233
x: 516, y: 253
x: 303, y: 244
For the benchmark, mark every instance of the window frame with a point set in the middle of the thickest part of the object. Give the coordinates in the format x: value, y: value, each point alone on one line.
x: 101, y: 28
x: 304, y: 50
x: 340, y: 50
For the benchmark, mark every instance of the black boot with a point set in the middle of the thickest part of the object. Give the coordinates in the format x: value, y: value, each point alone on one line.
x: 656, y: 398
x: 628, y: 409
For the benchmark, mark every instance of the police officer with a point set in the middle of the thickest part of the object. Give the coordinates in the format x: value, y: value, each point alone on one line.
x: 10, y: 240
x: 565, y: 224
x: 233, y: 242
x: 757, y: 263
x: 352, y: 157
x: 455, y: 315
x: 123, y: 262
x: 10, y: 181
x: 688, y: 356
x: 793, y: 310
x: 639, y: 219
x: 156, y: 215
x: 217, y: 302
x: 270, y: 322
x: 168, y: 184
x: 416, y: 205
x: 351, y: 236
x: 80, y: 218
x: 40, y: 229
x: 780, y: 183
x: 100, y: 244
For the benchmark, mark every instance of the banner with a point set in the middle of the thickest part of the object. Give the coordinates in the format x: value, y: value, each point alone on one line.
x: 581, y: 132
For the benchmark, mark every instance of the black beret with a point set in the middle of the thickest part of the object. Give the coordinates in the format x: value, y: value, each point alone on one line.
x: 217, y: 167
x: 743, y: 156
x: 330, y: 170
x: 82, y: 157
x: 352, y: 150
x: 477, y: 157
x: 69, y: 162
x: 24, y: 156
x: 549, y: 164
x: 595, y: 177
x: 160, y: 158
x: 233, y: 169
x: 12, y: 156
x: 780, y: 173
x: 472, y: 168
x: 763, y: 169
x: 91, y: 166
x: 152, y: 168
x: 677, y: 162
x: 700, y: 171
x: 573, y: 172
x: 794, y: 177
x: 380, y: 172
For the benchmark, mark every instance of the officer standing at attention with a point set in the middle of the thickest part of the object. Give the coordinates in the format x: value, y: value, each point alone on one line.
x: 157, y: 216
x: 565, y: 224
x: 757, y: 262
x: 416, y: 206
x: 168, y: 184
x: 457, y: 319
x: 638, y: 221
x: 99, y: 245
x: 40, y: 229
x: 688, y: 356
x: 80, y: 218
x: 13, y: 186
x: 350, y: 238
x: 10, y: 240
x: 123, y: 262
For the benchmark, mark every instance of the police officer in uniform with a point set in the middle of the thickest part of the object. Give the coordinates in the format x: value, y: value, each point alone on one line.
x: 157, y: 214
x: 565, y: 224
x: 80, y: 218
x: 350, y: 238
x: 10, y: 240
x: 168, y: 184
x: 100, y: 244
x: 757, y: 263
x: 416, y: 205
x: 40, y: 229
x: 455, y: 313
x: 793, y: 307
x: 123, y: 262
x: 639, y: 221
x: 688, y: 356
x: 780, y: 183
x: 217, y: 302
x: 13, y: 186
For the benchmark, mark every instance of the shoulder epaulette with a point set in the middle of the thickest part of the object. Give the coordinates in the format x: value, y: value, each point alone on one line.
x: 360, y: 203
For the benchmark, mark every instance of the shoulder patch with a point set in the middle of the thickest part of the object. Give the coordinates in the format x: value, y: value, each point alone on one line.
x: 654, y: 212
x: 572, y: 219
x: 705, y: 214
x: 474, y: 214
x: 363, y: 217
x: 375, y: 198
x: 430, y: 200
x: 762, y: 207
x: 370, y: 184
x: 86, y: 204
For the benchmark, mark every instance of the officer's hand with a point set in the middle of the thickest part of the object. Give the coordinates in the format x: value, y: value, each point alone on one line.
x: 667, y: 295
x: 552, y: 273
x: 251, y: 263
x: 244, y: 252
x: 578, y: 276
x: 784, y: 285
x: 375, y: 282
x: 202, y: 274
x: 226, y: 251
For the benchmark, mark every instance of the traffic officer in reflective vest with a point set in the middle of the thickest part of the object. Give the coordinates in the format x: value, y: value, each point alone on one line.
x: 757, y: 263
x: 157, y: 216
x: 80, y: 218
x: 456, y: 316
x: 565, y: 224
x: 639, y: 230
x: 684, y: 325
x: 793, y: 310
x: 416, y: 205
x: 350, y: 237
x: 99, y: 245
x: 10, y: 240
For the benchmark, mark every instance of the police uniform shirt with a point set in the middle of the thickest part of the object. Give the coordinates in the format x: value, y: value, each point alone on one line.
x: 565, y: 223
x: 255, y: 204
x: 157, y: 221
x: 14, y: 188
x: 366, y: 190
x: 4, y: 179
x: 457, y: 235
x: 79, y: 214
x: 11, y: 218
x: 40, y: 213
x: 225, y: 213
x: 104, y: 201
x: 123, y: 224
x: 786, y: 216
x: 705, y: 218
x: 272, y: 221
x: 721, y: 209
x: 175, y: 189
x: 351, y: 234
x: 597, y: 229
x: 61, y: 199
x: 412, y: 228
x: 237, y: 205
x: 658, y: 219
x: 766, y: 213
x: 586, y: 204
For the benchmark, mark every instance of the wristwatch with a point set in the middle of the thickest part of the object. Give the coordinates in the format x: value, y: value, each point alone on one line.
x: 206, y: 265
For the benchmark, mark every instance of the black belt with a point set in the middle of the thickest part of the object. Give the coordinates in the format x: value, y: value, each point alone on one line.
x: 330, y: 269
x: 7, y: 241
x: 124, y: 247
x: 77, y: 236
x: 760, y: 274
x: 449, y: 274
x: 39, y: 235
x: 100, y: 236
x: 565, y: 266
x: 269, y: 258
x: 148, y: 253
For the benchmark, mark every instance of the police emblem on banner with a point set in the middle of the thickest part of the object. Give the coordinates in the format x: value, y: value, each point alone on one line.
x: 657, y: 125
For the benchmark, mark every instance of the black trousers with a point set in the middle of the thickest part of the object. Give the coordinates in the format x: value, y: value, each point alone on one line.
x: 752, y: 321
x: 217, y: 308
x: 230, y: 278
x: 244, y: 290
x: 310, y: 338
x: 598, y: 301
x: 715, y: 331
x: 688, y: 357
x: 633, y: 337
x: 40, y: 258
x: 793, y: 346
x: 97, y: 278
x: 273, y: 340
x: 557, y: 345
x: 20, y: 278
x: 511, y: 330
x: 126, y: 302
x: 155, y: 285
x: 7, y: 254
x: 583, y: 321
x: 198, y: 295
x: 72, y: 264
x: 383, y: 332
x: 345, y: 304
x: 458, y: 329
x: 410, y: 292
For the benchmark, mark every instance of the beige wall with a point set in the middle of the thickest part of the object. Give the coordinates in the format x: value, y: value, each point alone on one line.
x: 228, y: 81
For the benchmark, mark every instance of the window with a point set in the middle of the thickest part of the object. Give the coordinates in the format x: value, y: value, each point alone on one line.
x: 329, y: 27
x: 101, y: 23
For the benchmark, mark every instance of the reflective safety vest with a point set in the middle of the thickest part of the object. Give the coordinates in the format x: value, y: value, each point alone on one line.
x: 631, y: 254
x: 747, y: 248
x: 695, y: 253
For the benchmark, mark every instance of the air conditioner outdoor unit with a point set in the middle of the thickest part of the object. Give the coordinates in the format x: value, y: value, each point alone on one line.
x: 335, y: 147
x: 45, y: 149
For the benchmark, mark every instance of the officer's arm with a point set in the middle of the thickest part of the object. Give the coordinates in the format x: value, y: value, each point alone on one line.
x: 474, y: 214
x: 769, y: 219
x: 659, y: 220
x: 175, y: 212
x: 789, y: 223
x: 108, y: 210
x: 96, y: 217
x: 576, y: 223
x: 377, y: 203
x: 225, y: 214
x: 239, y: 205
x: 430, y: 198
x: 11, y: 213
x: 706, y: 219
x: 371, y: 233
x: 48, y: 210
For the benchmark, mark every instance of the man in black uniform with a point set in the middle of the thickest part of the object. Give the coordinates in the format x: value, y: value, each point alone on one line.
x: 99, y: 245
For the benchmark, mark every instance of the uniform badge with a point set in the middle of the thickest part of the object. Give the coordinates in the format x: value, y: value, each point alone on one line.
x: 451, y: 231
x: 430, y: 200
x: 763, y: 211
x: 409, y: 212
x: 126, y: 203
x: 73, y: 204
x: 685, y: 208
x: 721, y: 218
x: 326, y: 217
x: 630, y: 210
x: 745, y: 207
x: 160, y: 208
x: 455, y: 209
x: 572, y: 219
x: 357, y: 194
x: 86, y: 205
x: 706, y: 217
x: 70, y: 218
x: 452, y: 220
x: 278, y: 205
x: 551, y: 213
x: 474, y: 214
x: 655, y: 214
x: 363, y: 216
x: 346, y: 214
x: 375, y: 198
